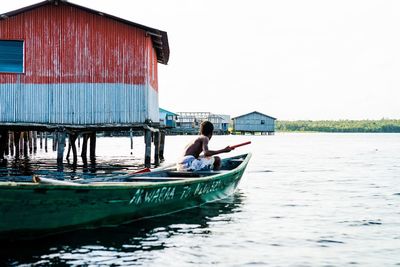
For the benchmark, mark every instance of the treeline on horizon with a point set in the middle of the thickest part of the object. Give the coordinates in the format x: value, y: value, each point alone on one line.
x: 340, y: 126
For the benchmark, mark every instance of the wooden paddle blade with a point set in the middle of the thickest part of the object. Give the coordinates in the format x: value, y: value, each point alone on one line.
x: 241, y: 144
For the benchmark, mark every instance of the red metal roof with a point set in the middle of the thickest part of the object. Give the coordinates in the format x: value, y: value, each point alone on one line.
x: 159, y: 38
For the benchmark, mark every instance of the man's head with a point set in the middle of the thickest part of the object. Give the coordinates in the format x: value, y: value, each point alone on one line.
x: 206, y: 128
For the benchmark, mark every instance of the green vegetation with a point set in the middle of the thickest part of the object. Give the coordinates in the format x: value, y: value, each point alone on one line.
x: 341, y: 126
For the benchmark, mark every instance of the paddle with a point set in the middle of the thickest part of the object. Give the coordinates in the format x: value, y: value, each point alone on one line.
x: 241, y: 144
x: 144, y: 170
x: 141, y: 171
x: 41, y: 180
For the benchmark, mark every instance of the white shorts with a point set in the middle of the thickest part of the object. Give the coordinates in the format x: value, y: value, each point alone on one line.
x: 190, y: 163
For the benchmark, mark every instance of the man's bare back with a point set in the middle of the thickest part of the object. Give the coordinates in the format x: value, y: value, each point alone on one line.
x: 200, y: 144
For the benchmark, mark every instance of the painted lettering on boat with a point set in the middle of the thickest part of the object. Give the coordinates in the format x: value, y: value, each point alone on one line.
x: 201, y: 188
x: 159, y: 195
x: 152, y: 196
x: 207, y: 187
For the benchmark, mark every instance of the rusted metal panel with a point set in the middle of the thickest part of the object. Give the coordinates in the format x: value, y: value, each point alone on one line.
x: 66, y: 45
x: 80, y: 68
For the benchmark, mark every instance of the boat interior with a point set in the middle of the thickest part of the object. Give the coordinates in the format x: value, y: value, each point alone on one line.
x: 172, y: 174
x: 155, y: 175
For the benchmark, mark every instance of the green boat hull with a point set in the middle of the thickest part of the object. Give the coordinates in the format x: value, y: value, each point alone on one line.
x: 30, y: 210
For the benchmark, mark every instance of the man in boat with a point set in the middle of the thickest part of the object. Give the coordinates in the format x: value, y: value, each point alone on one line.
x: 193, y: 161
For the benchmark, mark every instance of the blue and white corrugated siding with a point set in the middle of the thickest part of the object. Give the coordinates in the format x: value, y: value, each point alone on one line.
x: 77, y: 104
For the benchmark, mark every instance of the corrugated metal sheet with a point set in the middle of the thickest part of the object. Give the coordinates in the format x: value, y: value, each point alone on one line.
x: 76, y: 104
x: 80, y: 68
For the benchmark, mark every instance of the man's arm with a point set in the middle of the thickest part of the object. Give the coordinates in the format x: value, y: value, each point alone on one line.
x: 209, y: 153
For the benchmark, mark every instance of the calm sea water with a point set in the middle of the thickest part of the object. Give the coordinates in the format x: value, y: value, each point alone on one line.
x: 305, y: 200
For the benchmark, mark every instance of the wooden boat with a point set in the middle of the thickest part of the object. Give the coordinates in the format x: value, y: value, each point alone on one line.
x: 47, y: 206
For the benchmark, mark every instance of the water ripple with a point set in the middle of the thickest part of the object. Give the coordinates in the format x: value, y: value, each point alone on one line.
x: 305, y: 200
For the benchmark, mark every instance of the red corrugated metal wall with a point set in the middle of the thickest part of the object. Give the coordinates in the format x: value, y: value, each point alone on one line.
x: 64, y: 44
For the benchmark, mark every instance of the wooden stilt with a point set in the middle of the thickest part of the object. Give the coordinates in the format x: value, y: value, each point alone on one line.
x: 156, y: 140
x: 55, y: 137
x: 11, y: 143
x: 79, y: 140
x: 34, y: 137
x: 131, y: 137
x: 45, y: 141
x: 7, y: 144
x: 30, y: 141
x: 92, y: 145
x: 17, y: 136
x: 74, y: 151
x: 162, y: 142
x: 85, y: 138
x: 71, y: 145
x: 3, y: 143
x: 147, y: 155
x: 26, y: 141
x: 41, y: 140
x: 60, y: 148
x: 21, y: 143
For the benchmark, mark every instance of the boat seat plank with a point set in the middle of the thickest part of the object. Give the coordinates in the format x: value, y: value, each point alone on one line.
x: 185, y: 174
x: 190, y: 174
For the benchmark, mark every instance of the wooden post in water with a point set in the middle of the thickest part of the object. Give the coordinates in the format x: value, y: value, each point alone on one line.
x: 41, y: 140
x: 162, y: 143
x: 45, y: 141
x: 3, y: 143
x: 21, y: 143
x: 74, y: 151
x: 17, y: 136
x: 131, y: 137
x: 11, y: 143
x: 156, y: 140
x: 85, y: 138
x: 71, y: 145
x: 60, y: 148
x: 34, y: 136
x: 25, y: 140
x: 147, y: 153
x: 55, y: 137
x: 30, y: 141
x: 6, y: 143
x: 93, y: 145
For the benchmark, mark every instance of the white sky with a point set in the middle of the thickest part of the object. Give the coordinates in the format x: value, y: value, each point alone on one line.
x: 290, y: 59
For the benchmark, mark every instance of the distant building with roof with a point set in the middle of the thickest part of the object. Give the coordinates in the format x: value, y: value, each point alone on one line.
x: 167, y: 118
x: 254, y: 122
x: 189, y: 122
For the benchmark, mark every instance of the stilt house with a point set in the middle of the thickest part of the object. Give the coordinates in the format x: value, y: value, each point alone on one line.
x: 69, y: 68
x: 254, y: 122
x: 62, y: 64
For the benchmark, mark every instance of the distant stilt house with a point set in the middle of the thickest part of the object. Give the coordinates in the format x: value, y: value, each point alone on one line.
x: 226, y: 120
x: 254, y: 122
x: 71, y: 69
x: 167, y: 118
x: 189, y: 122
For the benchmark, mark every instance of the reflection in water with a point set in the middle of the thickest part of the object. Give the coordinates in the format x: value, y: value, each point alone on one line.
x: 123, y: 245
x: 22, y: 169
x: 15, y: 169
